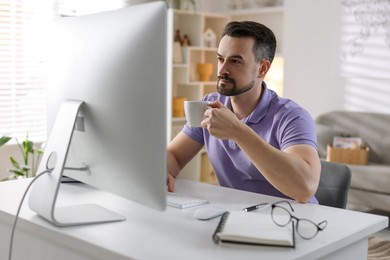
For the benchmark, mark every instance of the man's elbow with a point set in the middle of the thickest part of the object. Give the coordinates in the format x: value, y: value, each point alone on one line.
x: 306, y: 194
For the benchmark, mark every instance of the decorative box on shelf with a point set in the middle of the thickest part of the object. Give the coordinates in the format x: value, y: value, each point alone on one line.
x: 357, y: 156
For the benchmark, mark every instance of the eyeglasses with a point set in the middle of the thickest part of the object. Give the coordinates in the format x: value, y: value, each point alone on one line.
x: 305, y: 228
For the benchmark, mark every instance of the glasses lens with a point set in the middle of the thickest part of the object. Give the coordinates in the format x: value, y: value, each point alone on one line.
x: 306, y: 228
x: 281, y: 216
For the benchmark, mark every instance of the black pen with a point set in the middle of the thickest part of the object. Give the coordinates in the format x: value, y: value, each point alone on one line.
x: 251, y: 208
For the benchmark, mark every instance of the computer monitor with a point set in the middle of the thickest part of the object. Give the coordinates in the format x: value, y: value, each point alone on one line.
x: 107, y: 111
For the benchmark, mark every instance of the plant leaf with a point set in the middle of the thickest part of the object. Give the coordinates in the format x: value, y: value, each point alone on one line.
x: 28, y: 146
x: 39, y: 151
x: 25, y: 167
x: 4, y: 140
x: 17, y: 172
x: 14, y: 163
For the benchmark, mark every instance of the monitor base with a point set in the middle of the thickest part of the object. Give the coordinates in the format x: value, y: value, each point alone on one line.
x: 84, y: 214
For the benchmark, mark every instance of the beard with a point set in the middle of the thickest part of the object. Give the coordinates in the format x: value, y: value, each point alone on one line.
x: 230, y: 88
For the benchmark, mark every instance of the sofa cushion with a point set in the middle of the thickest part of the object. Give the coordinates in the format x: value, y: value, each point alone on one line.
x: 371, y: 177
x: 368, y: 199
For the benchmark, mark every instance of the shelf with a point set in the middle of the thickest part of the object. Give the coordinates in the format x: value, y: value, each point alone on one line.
x: 178, y: 120
x: 197, y: 83
x: 180, y: 65
x: 260, y: 10
x: 200, y: 48
x: 205, y: 14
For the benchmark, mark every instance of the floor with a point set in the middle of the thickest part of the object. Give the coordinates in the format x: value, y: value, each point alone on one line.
x: 383, y: 234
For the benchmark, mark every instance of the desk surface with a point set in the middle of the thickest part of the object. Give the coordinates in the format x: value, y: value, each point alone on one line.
x: 173, y: 234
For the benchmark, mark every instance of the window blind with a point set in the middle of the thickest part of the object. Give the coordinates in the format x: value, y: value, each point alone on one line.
x: 22, y: 77
x: 22, y: 65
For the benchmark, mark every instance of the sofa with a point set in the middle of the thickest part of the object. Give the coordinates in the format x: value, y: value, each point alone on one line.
x: 370, y: 183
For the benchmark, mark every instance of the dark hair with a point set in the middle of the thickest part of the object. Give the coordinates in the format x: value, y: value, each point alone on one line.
x: 265, y: 41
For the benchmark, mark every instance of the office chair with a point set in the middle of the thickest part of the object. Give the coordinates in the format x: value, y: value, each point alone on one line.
x: 334, y: 184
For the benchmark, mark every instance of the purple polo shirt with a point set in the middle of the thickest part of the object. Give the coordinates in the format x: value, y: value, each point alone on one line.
x: 279, y: 121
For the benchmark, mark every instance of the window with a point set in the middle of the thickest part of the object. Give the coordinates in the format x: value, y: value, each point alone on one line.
x: 22, y: 78
x: 22, y: 64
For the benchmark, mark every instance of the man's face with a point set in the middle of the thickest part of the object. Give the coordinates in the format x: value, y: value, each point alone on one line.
x: 237, y: 68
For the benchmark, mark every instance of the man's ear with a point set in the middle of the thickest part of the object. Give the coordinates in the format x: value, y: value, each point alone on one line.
x: 264, y: 67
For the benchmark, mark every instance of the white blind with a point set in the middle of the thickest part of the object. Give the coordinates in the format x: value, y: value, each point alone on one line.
x: 22, y: 77
x: 22, y: 65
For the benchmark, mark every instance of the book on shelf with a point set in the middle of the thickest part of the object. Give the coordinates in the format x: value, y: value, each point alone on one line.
x: 237, y: 227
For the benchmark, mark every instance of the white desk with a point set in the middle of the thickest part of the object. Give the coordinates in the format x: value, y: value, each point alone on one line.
x: 174, y: 233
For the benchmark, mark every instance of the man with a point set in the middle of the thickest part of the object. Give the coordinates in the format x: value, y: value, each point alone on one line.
x: 255, y: 140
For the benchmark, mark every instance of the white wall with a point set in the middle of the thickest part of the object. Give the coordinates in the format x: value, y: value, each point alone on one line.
x: 312, y: 40
x: 312, y: 62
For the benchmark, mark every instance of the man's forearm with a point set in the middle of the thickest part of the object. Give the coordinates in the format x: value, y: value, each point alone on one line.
x: 294, y: 172
x: 172, y: 165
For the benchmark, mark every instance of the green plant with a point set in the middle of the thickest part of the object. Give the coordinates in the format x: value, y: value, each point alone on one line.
x: 28, y: 167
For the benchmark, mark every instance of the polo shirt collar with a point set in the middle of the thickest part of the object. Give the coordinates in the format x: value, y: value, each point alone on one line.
x: 261, y: 108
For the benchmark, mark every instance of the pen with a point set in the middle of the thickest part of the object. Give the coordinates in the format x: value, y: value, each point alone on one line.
x: 258, y: 206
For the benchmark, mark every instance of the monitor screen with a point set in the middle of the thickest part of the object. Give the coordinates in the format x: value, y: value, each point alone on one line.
x: 107, y: 109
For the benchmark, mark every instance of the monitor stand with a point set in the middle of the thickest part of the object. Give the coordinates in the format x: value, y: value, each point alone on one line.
x: 44, y: 191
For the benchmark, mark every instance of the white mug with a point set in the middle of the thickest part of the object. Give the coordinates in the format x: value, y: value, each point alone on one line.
x: 194, y: 112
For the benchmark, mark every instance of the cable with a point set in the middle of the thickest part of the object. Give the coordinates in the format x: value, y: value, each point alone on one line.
x: 19, y: 208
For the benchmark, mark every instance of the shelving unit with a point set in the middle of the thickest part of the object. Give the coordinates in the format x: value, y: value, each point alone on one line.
x: 183, y: 77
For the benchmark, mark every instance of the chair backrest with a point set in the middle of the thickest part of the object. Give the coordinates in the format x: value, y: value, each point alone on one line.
x: 334, y: 184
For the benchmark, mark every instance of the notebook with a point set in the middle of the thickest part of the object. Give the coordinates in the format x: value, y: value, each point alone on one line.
x: 237, y: 227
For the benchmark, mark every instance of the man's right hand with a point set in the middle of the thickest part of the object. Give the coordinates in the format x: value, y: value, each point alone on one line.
x: 221, y: 122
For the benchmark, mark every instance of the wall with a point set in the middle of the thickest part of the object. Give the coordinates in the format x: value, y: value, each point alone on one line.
x: 312, y: 39
x: 313, y: 34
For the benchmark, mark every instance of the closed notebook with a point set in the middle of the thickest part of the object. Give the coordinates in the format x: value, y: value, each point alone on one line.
x: 237, y: 227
